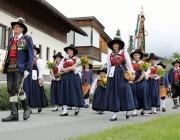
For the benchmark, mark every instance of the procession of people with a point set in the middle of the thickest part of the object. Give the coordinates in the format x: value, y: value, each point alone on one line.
x: 145, y: 88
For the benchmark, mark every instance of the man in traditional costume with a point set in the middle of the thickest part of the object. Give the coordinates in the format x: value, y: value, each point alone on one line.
x: 18, y: 64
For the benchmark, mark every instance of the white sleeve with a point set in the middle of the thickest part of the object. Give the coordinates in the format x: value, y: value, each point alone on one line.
x: 157, y: 77
x: 93, y: 86
x: 108, y: 64
x: 40, y: 68
x: 128, y: 61
x: 147, y: 73
x: 60, y: 66
x: 79, y: 68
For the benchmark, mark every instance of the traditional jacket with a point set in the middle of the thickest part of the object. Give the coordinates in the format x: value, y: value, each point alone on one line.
x: 163, y: 81
x: 24, y: 54
x: 172, y: 76
x: 87, y: 77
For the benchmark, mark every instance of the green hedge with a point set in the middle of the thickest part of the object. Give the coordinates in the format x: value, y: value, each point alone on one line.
x: 4, y: 98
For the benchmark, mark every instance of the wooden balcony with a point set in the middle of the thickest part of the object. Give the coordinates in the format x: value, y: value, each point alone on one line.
x: 89, y: 51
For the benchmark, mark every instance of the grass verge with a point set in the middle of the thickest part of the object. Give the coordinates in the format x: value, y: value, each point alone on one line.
x: 163, y: 128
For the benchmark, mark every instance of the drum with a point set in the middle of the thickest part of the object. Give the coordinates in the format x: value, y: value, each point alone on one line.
x: 128, y: 75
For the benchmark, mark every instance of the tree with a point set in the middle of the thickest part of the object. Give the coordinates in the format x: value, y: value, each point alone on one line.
x: 130, y: 46
x: 118, y: 33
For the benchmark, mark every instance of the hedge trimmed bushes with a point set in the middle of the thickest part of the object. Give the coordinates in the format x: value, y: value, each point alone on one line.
x: 4, y: 98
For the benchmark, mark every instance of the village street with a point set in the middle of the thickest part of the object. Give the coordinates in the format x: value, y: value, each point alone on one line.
x: 49, y: 125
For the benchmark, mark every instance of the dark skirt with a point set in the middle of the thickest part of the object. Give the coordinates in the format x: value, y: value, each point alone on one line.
x: 140, y: 93
x: 34, y: 93
x: 98, y: 99
x: 154, y: 92
x: 118, y: 95
x: 55, y: 85
x: 70, y: 92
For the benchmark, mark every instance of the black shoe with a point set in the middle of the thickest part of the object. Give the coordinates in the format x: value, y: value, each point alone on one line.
x: 39, y: 110
x: 163, y: 109
x: 150, y: 112
x: 101, y: 112
x: 113, y: 119
x: 158, y: 109
x: 55, y: 110
x: 127, y: 116
x: 155, y: 112
x: 134, y: 115
x: 142, y: 113
x: 66, y: 114
x: 69, y: 108
x: 86, y: 106
x: 14, y: 116
x: 76, y: 113
x: 26, y: 113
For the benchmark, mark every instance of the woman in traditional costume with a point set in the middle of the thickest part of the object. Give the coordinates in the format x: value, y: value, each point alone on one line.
x: 33, y: 84
x: 55, y: 81
x: 139, y: 85
x: 153, y: 84
x: 118, y: 96
x: 70, y: 93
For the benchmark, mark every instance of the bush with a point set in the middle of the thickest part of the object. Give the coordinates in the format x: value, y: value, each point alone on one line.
x: 4, y: 98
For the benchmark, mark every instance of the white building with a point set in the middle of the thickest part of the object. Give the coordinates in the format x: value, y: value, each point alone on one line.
x: 46, y: 25
x: 95, y: 44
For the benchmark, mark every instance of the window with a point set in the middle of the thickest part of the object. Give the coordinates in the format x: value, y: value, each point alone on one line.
x: 47, y: 54
x: 40, y: 54
x: 2, y: 36
x: 54, y: 54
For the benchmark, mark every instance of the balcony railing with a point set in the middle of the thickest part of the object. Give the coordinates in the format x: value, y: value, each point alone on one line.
x: 89, y: 51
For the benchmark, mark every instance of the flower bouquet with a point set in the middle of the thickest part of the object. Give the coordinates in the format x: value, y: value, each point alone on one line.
x: 50, y: 66
x: 83, y: 62
x: 103, y: 82
x: 144, y: 66
x: 160, y: 71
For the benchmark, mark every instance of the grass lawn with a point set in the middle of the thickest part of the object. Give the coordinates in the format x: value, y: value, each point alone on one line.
x: 163, y: 128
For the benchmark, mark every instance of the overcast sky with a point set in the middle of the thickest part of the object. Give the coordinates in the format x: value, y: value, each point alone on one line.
x: 162, y: 19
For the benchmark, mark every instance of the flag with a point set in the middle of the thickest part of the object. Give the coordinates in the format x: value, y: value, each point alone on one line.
x: 139, y: 32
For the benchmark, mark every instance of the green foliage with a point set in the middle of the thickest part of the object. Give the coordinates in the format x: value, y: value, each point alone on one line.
x: 4, y: 98
x: 163, y: 128
x: 118, y: 33
x: 130, y: 46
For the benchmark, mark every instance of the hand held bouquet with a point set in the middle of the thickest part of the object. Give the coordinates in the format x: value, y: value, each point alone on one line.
x: 83, y: 62
x: 160, y: 71
x: 144, y: 66
x: 50, y: 66
x: 103, y: 82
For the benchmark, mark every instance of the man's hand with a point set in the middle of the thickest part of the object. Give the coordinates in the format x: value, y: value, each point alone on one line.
x: 130, y: 82
x: 26, y: 73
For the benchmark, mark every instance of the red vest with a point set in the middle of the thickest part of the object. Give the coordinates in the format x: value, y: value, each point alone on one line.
x: 136, y: 66
x: 12, y: 53
x: 120, y: 59
x: 69, y: 63
x: 153, y: 70
x: 98, y: 82
x: 176, y: 76
x: 160, y: 80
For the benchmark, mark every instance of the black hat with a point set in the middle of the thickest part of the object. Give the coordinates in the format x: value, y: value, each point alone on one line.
x: 137, y: 51
x: 176, y: 61
x: 37, y: 49
x: 146, y: 54
x: 90, y: 66
x: 102, y: 70
x: 20, y: 21
x: 58, y: 54
x: 152, y: 56
x: 116, y: 40
x: 161, y: 64
x: 71, y: 46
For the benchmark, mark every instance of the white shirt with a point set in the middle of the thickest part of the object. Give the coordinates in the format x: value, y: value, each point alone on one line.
x: 40, y: 67
x: 19, y: 36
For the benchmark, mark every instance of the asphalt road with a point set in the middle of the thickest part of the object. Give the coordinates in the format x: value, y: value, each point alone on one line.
x: 48, y: 125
